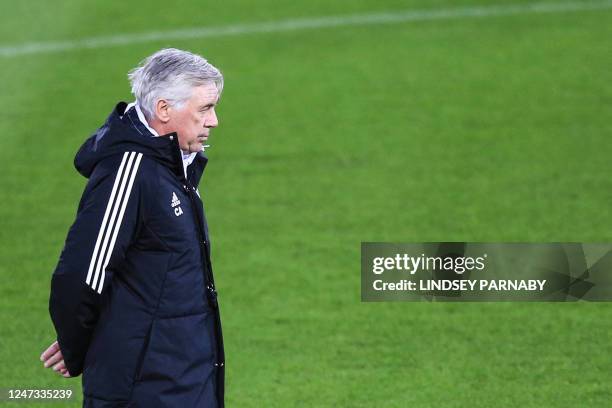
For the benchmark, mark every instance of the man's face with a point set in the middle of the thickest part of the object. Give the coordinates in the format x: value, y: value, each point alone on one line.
x: 194, y: 120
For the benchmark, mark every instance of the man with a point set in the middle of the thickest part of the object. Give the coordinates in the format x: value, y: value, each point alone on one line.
x: 133, y: 298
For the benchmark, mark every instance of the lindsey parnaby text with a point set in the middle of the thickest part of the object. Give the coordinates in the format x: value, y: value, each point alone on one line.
x: 530, y: 285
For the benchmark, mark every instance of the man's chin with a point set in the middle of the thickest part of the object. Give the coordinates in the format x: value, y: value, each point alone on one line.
x: 194, y: 147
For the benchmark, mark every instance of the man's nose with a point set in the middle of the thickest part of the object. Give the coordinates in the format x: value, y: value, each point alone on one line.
x: 211, y: 120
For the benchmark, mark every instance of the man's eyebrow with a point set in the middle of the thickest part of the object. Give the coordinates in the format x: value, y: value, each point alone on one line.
x: 208, y: 105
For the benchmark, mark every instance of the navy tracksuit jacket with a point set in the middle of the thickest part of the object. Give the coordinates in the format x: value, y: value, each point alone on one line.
x: 133, y: 298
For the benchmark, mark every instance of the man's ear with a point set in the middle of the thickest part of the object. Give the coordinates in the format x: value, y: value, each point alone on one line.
x: 162, y: 111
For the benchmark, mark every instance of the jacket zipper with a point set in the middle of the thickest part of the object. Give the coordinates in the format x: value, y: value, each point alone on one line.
x: 210, y: 291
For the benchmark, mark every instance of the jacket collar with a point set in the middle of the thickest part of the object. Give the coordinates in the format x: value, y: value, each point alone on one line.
x: 139, y: 121
x: 121, y: 132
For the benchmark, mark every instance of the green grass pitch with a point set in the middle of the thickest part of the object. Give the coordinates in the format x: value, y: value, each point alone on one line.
x: 471, y: 129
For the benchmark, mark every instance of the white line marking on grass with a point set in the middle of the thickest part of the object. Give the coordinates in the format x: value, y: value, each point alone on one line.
x: 394, y: 17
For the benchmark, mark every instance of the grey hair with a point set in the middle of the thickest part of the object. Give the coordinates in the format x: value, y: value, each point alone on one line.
x: 171, y: 74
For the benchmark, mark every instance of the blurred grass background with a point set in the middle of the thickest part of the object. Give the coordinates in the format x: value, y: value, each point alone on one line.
x: 469, y: 129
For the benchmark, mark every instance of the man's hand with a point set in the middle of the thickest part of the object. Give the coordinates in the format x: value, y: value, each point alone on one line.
x: 52, y: 357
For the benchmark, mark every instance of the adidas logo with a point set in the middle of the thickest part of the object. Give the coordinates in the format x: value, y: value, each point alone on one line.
x: 175, y: 204
x: 175, y: 200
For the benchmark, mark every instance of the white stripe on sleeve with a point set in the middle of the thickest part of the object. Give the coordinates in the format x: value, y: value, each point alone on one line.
x: 110, y: 227
x: 118, y: 223
x: 105, y: 219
